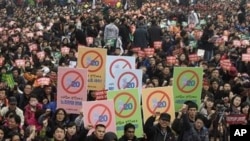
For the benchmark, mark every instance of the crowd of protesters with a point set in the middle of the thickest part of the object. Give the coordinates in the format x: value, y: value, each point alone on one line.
x: 28, y: 110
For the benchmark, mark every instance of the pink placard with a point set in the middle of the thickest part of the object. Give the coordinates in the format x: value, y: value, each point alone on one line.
x: 33, y: 46
x: 43, y: 81
x: 101, y: 95
x: 20, y: 62
x: 100, y: 112
x: 171, y: 59
x: 236, y: 119
x: 157, y: 44
x: 149, y: 51
x: 72, y: 88
x: 193, y: 57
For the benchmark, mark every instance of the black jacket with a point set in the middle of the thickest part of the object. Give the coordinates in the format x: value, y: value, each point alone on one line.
x: 92, y: 137
x: 154, y: 133
x: 124, y: 138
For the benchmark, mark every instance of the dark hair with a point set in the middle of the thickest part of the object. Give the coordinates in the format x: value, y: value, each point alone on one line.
x: 39, y: 138
x: 191, y: 104
x: 71, y: 124
x: 33, y: 96
x: 16, y: 69
x: 100, y: 125
x: 201, y: 117
x: 128, y: 126
x: 16, y: 118
x: 12, y: 134
x: 58, y: 127
x: 9, y: 113
x: 58, y: 110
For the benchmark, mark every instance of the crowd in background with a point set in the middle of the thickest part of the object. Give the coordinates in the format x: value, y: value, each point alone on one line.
x: 28, y: 110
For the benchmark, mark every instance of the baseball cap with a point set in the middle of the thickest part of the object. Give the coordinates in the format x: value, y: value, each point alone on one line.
x: 12, y: 100
x: 165, y: 116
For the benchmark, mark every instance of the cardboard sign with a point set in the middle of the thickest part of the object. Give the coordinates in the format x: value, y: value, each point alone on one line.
x: 201, y: 52
x: 20, y: 62
x: 236, y: 119
x: 65, y: 50
x: 149, y: 52
x: 158, y: 44
x: 40, y: 54
x: 245, y: 57
x: 193, y: 57
x: 43, y: 81
x: 101, y: 95
x: 171, y: 60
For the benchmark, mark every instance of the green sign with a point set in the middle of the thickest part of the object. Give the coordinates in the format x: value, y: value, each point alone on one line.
x: 127, y: 110
x: 187, y: 85
x: 8, y: 78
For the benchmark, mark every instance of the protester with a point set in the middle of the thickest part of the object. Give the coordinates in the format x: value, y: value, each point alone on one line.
x: 34, y: 35
x: 160, y: 131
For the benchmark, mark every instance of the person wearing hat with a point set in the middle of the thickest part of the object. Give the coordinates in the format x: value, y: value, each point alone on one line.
x: 160, y: 131
x: 13, y: 107
x: 177, y: 125
x: 195, y: 131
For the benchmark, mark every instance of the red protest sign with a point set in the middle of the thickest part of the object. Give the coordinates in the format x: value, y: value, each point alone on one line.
x: 236, y: 119
x: 20, y: 62
x: 33, y: 46
x: 171, y: 60
x: 193, y: 57
x: 43, y: 81
x: 149, y: 52
x: 101, y: 95
x: 65, y: 50
x: 226, y: 64
x: 158, y: 44
x: 245, y: 57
